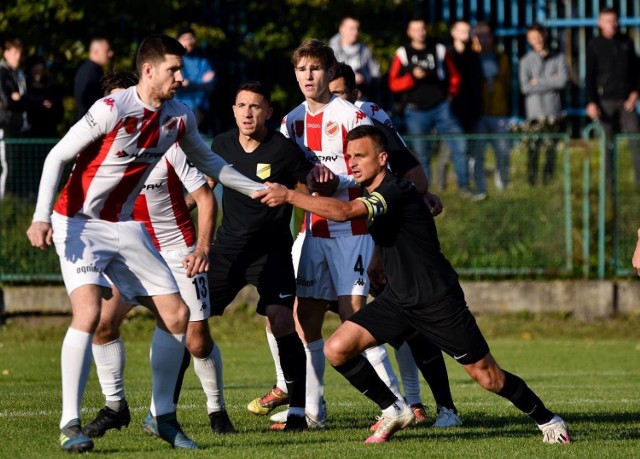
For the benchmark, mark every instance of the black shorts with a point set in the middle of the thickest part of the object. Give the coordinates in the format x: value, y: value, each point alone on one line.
x: 270, y: 270
x: 447, y: 323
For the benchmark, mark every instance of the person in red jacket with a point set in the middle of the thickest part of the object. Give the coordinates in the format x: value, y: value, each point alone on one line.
x: 424, y: 75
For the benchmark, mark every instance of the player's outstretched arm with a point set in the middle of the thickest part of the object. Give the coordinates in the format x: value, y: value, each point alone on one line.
x: 330, y: 208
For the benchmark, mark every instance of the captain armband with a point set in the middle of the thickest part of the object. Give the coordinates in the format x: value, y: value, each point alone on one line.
x: 375, y: 204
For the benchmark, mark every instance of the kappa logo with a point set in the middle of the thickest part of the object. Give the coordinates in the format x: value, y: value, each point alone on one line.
x: 140, y: 154
x: 109, y: 102
x: 360, y: 115
x: 263, y: 170
x: 359, y: 282
x: 331, y: 128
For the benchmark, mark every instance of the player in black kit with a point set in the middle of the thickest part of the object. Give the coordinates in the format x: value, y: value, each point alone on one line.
x: 253, y: 243
x: 422, y: 292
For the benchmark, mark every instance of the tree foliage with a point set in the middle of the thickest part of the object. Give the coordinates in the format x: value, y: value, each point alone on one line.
x: 247, y: 39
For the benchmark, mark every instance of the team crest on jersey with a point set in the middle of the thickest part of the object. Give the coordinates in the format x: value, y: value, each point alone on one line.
x: 263, y: 171
x: 298, y: 127
x: 331, y: 128
x: 130, y: 124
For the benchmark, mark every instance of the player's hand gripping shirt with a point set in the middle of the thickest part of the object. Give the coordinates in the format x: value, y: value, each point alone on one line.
x: 323, y: 138
x: 161, y: 205
x: 115, y: 146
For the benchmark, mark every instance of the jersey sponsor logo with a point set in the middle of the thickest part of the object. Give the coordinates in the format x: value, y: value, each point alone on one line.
x: 130, y: 124
x: 360, y: 115
x: 263, y: 170
x: 320, y: 159
x: 331, y: 128
x: 298, y: 127
x: 138, y: 154
x: 152, y: 186
x: 359, y: 282
x: 375, y: 108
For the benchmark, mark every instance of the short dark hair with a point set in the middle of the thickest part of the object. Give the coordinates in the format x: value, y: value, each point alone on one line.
x: 13, y: 43
x: 371, y: 132
x: 608, y: 10
x: 154, y: 48
x: 115, y: 80
x: 345, y: 71
x: 257, y: 88
x: 312, y: 47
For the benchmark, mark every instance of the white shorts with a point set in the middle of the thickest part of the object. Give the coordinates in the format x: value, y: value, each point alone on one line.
x: 330, y: 267
x: 88, y: 249
x: 193, y: 290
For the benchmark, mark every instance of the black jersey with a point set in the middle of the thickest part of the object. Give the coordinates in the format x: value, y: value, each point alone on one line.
x: 405, y: 235
x: 247, y: 222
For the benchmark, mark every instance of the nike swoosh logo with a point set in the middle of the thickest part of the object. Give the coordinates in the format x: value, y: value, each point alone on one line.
x: 458, y: 357
x: 281, y: 295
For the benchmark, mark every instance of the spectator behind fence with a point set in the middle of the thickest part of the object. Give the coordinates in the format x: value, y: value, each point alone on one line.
x: 44, y: 101
x: 543, y: 75
x: 199, y: 78
x: 348, y: 48
x: 467, y: 105
x: 86, y: 85
x: 13, y: 90
x: 496, y: 84
x: 612, y: 87
x: 426, y: 78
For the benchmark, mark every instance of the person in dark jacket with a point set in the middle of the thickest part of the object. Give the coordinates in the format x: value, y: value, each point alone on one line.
x: 87, y: 87
x: 612, y: 87
x: 13, y: 90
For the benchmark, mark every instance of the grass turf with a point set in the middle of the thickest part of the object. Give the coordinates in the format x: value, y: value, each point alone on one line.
x: 587, y: 372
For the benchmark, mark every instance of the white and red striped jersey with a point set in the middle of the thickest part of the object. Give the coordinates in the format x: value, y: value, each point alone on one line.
x: 161, y: 205
x: 115, y: 146
x: 323, y: 138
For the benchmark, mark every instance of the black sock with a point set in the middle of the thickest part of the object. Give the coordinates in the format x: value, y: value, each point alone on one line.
x: 360, y: 373
x: 517, y: 392
x: 431, y: 364
x: 186, y: 359
x: 294, y: 367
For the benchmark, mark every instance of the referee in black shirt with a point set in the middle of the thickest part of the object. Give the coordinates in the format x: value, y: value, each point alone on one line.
x: 422, y: 292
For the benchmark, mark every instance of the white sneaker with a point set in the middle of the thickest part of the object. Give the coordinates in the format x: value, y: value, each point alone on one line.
x: 388, y: 425
x: 446, y: 418
x: 555, y: 431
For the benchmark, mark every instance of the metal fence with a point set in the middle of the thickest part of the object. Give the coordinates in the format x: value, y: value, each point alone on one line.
x: 569, y: 225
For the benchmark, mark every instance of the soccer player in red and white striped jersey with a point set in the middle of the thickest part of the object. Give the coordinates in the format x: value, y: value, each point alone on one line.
x: 115, y: 147
x: 333, y: 257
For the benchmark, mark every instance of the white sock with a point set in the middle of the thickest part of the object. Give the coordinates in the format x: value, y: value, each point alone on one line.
x: 408, y: 374
x: 315, y: 378
x: 75, y: 363
x: 110, y: 362
x: 273, y: 347
x: 209, y: 371
x: 167, y: 351
x: 379, y: 359
x: 395, y: 409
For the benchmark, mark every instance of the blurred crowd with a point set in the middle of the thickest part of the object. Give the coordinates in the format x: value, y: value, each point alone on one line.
x: 463, y: 86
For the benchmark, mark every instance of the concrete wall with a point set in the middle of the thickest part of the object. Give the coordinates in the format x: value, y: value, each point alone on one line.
x: 585, y: 300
